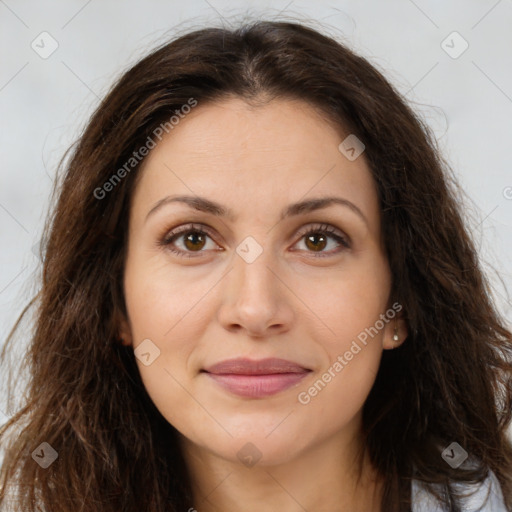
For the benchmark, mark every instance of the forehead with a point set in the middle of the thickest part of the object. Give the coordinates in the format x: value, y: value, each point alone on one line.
x: 255, y: 157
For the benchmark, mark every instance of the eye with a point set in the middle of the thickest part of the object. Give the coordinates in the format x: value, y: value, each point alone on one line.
x: 316, y: 239
x: 193, y: 239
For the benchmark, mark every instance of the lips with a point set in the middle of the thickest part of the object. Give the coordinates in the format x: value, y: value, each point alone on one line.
x: 243, y: 366
x: 256, y: 378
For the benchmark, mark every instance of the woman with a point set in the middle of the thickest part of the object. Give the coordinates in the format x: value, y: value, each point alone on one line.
x: 259, y: 293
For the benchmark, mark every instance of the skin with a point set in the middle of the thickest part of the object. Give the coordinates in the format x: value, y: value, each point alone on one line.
x: 288, y: 303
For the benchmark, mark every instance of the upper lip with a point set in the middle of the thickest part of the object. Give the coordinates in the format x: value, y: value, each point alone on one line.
x: 244, y: 366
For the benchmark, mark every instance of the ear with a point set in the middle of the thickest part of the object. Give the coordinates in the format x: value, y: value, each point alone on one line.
x: 395, y: 328
x: 124, y: 332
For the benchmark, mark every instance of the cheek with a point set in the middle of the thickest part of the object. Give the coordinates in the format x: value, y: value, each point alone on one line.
x: 349, y: 329
x: 159, y: 296
x: 168, y: 319
x: 168, y: 376
x: 351, y: 357
x: 164, y: 308
x: 347, y: 302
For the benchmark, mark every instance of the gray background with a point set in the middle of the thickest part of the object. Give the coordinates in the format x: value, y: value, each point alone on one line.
x: 45, y: 102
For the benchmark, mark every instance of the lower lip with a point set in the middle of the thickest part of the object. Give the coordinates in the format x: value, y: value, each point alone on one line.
x: 257, y: 386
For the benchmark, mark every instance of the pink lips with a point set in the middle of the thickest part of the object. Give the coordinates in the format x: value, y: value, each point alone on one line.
x: 256, y: 378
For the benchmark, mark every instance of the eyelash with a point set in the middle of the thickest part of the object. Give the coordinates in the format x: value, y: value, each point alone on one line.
x: 323, y: 229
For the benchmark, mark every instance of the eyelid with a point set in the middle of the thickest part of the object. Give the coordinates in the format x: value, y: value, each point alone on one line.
x: 324, y: 228
x: 185, y: 228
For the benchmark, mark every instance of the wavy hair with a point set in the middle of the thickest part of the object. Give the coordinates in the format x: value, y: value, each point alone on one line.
x: 450, y: 380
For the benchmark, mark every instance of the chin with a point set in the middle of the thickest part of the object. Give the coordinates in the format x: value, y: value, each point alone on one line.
x: 252, y: 445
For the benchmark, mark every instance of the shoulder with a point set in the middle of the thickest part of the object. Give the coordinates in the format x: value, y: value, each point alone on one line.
x: 483, y: 497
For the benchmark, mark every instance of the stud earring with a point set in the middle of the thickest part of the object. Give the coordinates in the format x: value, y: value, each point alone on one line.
x: 395, y: 336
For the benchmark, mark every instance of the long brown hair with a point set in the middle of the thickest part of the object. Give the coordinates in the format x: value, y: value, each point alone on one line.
x: 450, y: 381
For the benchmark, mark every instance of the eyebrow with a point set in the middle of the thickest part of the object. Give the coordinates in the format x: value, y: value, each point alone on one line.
x: 206, y: 205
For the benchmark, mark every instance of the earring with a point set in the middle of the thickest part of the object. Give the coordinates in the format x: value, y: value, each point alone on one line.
x: 395, y: 336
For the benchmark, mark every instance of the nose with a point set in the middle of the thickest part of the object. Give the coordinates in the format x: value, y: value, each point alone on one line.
x: 256, y: 298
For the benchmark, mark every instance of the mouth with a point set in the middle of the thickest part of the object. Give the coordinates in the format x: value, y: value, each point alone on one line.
x: 256, y: 378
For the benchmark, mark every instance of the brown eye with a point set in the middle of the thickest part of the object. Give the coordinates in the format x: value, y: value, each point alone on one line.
x: 316, y: 239
x: 195, y: 240
x: 187, y: 240
x: 316, y: 242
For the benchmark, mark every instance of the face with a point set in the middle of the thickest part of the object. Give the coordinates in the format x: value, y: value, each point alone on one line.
x: 238, y: 272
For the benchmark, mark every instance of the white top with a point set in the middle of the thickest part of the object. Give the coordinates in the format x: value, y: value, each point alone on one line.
x: 486, y: 498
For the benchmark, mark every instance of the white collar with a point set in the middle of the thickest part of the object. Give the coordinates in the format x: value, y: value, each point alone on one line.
x: 487, y: 497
